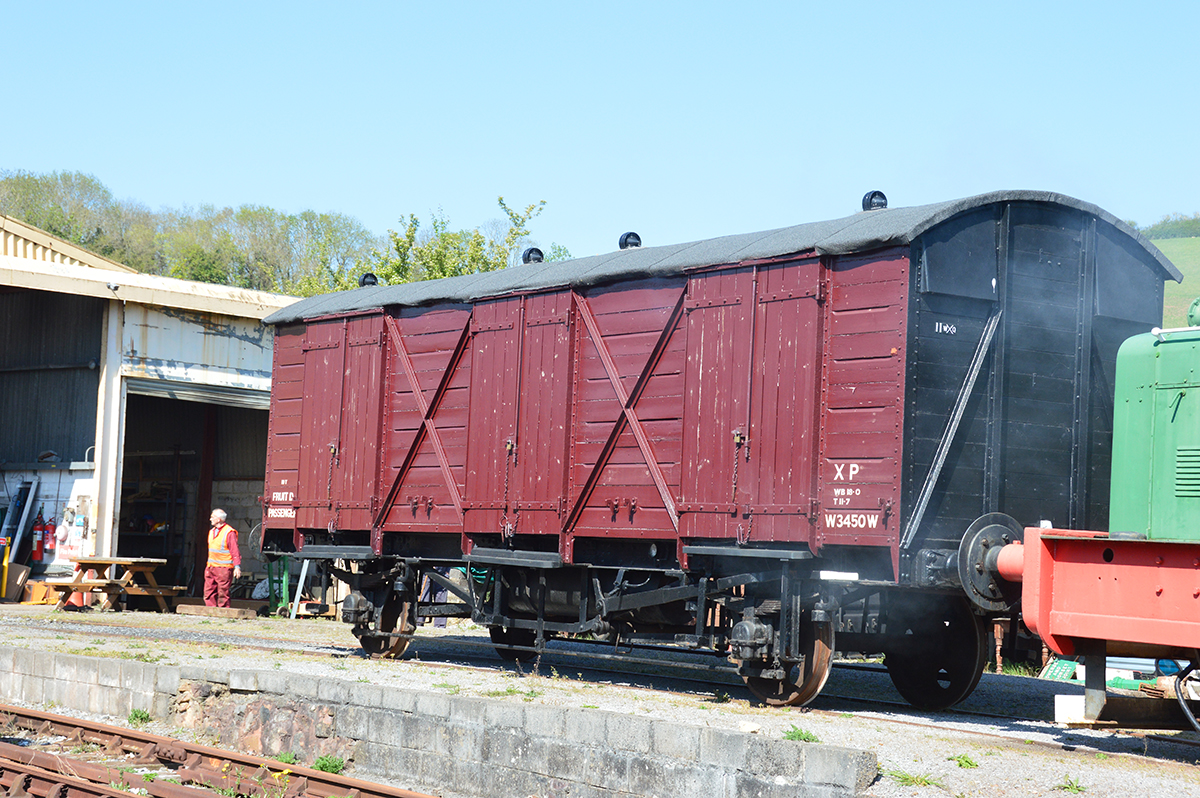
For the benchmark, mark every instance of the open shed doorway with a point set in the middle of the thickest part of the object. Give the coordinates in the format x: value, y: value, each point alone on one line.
x: 181, y: 459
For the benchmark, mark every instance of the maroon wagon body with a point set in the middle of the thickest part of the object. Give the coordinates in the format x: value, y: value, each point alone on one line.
x: 730, y: 404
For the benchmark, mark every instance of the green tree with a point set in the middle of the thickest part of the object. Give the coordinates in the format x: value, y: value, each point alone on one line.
x: 130, y: 236
x: 413, y: 254
x: 68, y: 205
x: 330, y: 250
x: 556, y: 252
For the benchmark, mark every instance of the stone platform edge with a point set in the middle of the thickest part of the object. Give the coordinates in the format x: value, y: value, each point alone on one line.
x: 466, y: 746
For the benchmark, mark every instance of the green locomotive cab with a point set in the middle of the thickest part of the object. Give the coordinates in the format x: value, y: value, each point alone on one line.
x: 1155, y: 490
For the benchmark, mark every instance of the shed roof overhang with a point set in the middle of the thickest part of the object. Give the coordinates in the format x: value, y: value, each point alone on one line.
x: 136, y: 287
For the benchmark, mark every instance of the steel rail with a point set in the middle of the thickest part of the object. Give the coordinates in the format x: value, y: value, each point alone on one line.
x: 20, y: 780
x: 217, y: 768
x: 47, y: 772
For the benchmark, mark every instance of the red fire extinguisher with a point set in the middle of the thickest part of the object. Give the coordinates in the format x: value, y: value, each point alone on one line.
x: 39, y: 532
x: 48, y: 540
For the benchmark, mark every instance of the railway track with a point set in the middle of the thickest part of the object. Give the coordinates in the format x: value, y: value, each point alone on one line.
x: 191, y: 770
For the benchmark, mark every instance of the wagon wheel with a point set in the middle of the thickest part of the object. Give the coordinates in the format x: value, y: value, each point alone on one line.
x: 396, y: 619
x: 805, y: 678
x: 936, y: 652
x: 502, y: 638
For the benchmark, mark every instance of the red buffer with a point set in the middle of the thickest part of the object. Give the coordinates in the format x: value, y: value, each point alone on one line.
x: 1142, y: 596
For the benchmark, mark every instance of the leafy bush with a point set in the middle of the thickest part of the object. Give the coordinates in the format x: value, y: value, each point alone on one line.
x: 330, y: 764
x: 800, y: 735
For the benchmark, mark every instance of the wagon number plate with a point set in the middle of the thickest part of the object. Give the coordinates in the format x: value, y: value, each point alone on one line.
x: 851, y: 520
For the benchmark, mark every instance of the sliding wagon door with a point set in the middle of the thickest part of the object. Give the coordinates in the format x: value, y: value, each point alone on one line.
x: 339, y: 453
x: 716, y: 420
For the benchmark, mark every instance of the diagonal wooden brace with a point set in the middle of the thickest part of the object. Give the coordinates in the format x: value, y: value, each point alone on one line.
x: 628, y: 418
x: 427, y: 429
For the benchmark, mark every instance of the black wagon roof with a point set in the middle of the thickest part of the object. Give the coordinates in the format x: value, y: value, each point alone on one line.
x: 860, y: 232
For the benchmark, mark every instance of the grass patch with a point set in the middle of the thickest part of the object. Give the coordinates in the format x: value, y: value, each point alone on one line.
x: 914, y: 779
x: 964, y: 761
x: 800, y: 735
x: 138, y: 717
x: 1019, y: 669
x: 1070, y: 785
x: 286, y: 757
x: 527, y: 695
x: 451, y: 689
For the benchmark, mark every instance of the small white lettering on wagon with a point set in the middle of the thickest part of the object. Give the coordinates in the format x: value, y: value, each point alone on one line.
x: 281, y: 512
x: 851, y: 520
x: 282, y: 496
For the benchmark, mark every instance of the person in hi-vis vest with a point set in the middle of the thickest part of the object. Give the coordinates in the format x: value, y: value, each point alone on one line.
x: 224, y: 561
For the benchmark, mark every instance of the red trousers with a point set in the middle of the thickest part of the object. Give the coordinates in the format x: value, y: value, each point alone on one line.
x: 216, y: 586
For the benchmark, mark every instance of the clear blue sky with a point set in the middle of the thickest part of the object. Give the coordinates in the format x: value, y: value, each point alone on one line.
x: 678, y: 120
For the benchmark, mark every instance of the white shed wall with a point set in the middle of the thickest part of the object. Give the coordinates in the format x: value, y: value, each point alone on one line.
x: 199, y: 348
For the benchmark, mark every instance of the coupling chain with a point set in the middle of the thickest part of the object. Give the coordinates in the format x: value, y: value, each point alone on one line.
x: 506, y: 527
x: 333, y: 453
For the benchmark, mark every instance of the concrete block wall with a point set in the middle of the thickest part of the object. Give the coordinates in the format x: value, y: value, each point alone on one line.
x: 488, y: 747
x: 456, y: 746
x: 88, y: 684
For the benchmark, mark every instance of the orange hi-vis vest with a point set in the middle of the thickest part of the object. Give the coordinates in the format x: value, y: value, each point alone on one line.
x: 219, y: 554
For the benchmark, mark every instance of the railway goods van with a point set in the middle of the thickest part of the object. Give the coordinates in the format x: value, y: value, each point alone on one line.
x: 765, y: 446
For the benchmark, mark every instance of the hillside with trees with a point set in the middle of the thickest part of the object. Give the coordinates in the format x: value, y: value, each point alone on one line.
x: 255, y: 246
x: 1175, y: 225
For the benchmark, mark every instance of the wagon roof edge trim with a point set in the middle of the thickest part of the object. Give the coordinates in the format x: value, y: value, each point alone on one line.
x: 860, y: 232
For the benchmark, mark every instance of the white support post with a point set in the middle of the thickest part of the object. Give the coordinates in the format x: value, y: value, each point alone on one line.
x: 110, y: 428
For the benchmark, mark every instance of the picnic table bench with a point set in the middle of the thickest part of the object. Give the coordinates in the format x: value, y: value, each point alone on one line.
x: 136, y: 579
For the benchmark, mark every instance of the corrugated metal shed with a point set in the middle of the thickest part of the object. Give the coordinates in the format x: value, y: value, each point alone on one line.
x: 49, y: 374
x: 82, y: 333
